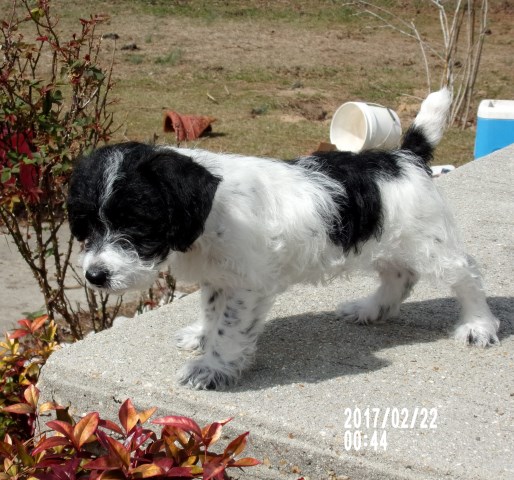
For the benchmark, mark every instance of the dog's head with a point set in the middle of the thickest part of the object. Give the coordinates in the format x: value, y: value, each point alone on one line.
x: 131, y: 204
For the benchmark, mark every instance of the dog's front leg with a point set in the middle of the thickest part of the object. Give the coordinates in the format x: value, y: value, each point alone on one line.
x: 226, y: 336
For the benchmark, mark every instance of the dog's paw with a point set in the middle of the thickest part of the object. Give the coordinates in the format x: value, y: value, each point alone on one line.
x: 365, y: 312
x: 191, y: 338
x: 200, y: 374
x: 481, y: 334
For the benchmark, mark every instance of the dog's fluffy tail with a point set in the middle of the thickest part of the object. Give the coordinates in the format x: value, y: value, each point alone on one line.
x: 428, y: 127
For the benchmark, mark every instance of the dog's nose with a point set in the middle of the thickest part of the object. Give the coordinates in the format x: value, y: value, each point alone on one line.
x: 97, y: 276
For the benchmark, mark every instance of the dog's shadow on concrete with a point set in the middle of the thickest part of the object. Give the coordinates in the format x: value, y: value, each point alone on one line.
x: 312, y: 347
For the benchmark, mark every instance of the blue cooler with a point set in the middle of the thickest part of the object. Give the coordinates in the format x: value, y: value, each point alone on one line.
x: 495, y: 126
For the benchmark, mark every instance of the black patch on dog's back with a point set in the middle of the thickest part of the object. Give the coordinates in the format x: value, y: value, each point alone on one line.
x: 360, y: 210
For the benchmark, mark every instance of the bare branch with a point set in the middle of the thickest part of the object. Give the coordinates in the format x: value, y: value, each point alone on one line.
x: 425, y: 60
x: 458, y: 54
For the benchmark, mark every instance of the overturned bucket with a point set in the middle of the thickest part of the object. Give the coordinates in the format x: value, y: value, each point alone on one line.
x: 358, y: 126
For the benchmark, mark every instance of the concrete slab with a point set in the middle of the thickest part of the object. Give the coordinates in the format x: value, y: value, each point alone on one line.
x: 313, y: 375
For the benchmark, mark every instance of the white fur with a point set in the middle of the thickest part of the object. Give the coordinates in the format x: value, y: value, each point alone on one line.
x: 267, y: 227
x: 110, y: 176
x: 433, y: 115
x: 127, y: 270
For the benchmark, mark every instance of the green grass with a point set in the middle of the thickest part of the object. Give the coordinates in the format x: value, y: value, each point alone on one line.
x: 304, y: 12
x: 134, y: 58
x: 172, y: 58
x: 456, y: 147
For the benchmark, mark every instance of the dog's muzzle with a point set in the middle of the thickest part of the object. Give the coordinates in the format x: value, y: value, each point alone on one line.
x: 97, y: 276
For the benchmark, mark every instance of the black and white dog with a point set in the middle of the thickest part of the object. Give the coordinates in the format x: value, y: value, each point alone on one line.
x: 246, y: 228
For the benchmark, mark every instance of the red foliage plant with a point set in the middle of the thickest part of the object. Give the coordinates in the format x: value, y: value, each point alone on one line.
x: 54, y: 104
x: 94, y: 448
x: 22, y: 353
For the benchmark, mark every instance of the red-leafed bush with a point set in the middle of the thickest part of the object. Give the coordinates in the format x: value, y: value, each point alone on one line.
x: 54, y: 104
x: 22, y: 354
x: 94, y: 448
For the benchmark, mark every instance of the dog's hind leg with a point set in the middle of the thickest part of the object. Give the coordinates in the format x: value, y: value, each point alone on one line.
x: 226, y: 336
x: 396, y: 284
x: 477, y: 324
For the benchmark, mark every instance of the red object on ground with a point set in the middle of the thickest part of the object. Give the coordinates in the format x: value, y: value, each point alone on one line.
x: 187, y: 127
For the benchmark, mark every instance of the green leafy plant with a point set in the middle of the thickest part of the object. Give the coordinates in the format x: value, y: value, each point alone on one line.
x: 54, y: 104
x: 94, y: 448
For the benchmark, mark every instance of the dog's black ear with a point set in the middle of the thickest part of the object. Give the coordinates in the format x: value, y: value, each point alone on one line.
x: 82, y: 201
x: 187, y: 189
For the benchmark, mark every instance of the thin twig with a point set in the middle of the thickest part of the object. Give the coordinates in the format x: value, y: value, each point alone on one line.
x: 425, y: 60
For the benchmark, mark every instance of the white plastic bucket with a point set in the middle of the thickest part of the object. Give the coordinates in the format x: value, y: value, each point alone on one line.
x: 358, y: 126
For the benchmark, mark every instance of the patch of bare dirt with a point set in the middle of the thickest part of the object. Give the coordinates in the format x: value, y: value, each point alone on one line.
x: 240, y: 45
x: 308, y: 109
